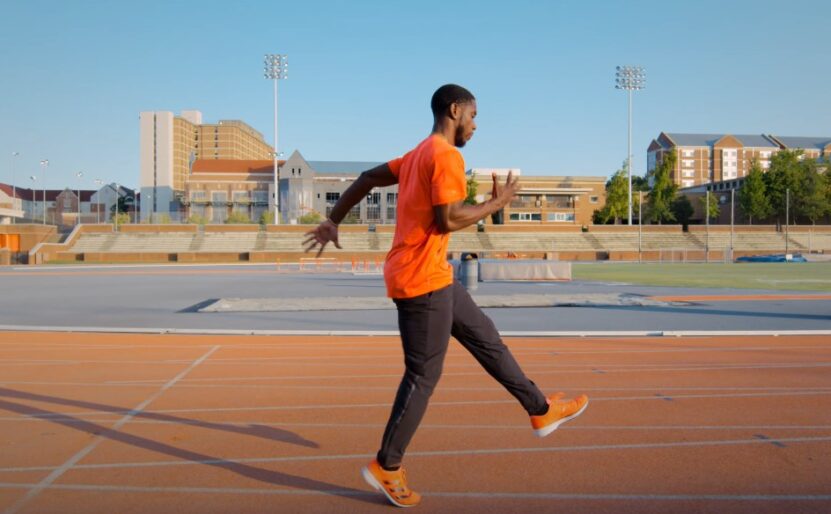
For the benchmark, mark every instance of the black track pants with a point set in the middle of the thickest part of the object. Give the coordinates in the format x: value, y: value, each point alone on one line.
x: 426, y: 323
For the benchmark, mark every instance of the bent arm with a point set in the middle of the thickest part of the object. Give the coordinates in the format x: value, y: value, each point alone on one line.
x: 456, y: 216
x: 379, y: 176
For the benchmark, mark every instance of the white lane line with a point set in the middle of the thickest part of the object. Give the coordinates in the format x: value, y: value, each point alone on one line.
x: 386, y: 405
x: 439, y: 494
x: 446, y: 453
x: 522, y: 426
x: 50, y: 479
x: 394, y: 333
x: 443, y: 388
x: 725, y: 367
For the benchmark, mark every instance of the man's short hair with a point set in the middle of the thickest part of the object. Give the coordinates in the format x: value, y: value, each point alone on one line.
x: 448, y: 95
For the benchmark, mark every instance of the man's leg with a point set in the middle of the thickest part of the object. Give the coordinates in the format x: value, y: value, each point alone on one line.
x: 478, y: 334
x: 424, y: 323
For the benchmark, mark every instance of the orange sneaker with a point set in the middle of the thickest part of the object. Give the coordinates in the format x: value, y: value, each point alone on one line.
x: 392, y: 483
x: 559, y: 411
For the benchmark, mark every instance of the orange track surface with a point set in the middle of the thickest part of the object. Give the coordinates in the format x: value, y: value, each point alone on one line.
x: 114, y: 423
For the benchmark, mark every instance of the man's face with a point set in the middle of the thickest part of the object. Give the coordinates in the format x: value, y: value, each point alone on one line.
x: 467, y: 123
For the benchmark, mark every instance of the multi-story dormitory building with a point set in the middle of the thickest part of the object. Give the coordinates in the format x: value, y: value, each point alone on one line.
x: 715, y: 158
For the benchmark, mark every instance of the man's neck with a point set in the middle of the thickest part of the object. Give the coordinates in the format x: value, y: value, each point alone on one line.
x: 445, y: 130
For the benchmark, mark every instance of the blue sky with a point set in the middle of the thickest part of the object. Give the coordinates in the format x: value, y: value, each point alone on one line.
x: 75, y: 76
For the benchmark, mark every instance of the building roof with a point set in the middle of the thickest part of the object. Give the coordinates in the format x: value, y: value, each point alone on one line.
x: 812, y: 143
x: 345, y: 167
x: 31, y: 194
x: 233, y: 166
x: 708, y: 140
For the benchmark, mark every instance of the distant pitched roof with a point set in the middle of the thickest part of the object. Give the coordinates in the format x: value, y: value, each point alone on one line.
x: 813, y: 143
x: 233, y: 166
x: 752, y: 141
x: 344, y: 167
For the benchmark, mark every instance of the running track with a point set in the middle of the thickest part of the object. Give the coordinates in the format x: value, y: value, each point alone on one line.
x: 123, y: 423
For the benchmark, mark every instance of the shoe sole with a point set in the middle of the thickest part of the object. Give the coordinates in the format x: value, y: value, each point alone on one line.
x: 372, y: 481
x: 544, y: 431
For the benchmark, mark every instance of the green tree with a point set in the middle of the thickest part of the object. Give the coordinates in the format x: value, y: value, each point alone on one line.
x: 236, y: 218
x: 122, y: 218
x: 472, y: 188
x: 196, y: 219
x: 784, y: 175
x: 712, y: 210
x: 266, y: 218
x: 814, y: 203
x: 682, y: 209
x: 312, y: 218
x: 351, y: 218
x: 753, y: 198
x: 617, y: 203
x: 663, y: 191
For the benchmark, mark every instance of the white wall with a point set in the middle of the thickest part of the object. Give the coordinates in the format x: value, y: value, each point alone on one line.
x: 156, y: 161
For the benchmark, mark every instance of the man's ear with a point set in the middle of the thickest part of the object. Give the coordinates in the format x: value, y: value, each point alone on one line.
x: 455, y: 111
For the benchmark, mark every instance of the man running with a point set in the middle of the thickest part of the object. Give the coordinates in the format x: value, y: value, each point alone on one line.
x: 431, y: 305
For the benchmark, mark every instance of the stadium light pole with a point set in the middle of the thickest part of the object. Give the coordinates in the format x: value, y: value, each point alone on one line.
x: 98, y: 183
x: 34, y: 180
x: 14, y: 188
x: 732, y: 198
x: 275, y: 68
x: 630, y: 78
x: 80, y: 176
x: 787, y: 216
x: 44, y: 164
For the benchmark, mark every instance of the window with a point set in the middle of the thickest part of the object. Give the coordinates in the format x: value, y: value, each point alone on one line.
x: 219, y: 197
x: 392, y: 198
x: 332, y: 198
x: 593, y: 199
x: 197, y: 196
x: 687, y: 153
x: 688, y: 163
x: 561, y: 217
x: 526, y: 216
x: 373, y: 199
x: 218, y: 214
x: 687, y: 183
x: 260, y: 197
x: 241, y: 197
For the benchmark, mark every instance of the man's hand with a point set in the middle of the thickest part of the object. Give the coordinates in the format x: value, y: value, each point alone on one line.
x: 504, y: 194
x: 321, y: 235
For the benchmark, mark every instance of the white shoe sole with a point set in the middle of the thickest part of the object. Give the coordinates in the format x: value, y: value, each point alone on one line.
x: 372, y: 481
x: 544, y: 431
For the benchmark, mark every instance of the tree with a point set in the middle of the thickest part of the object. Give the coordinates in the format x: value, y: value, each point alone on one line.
x: 266, y: 218
x: 472, y: 188
x: 237, y: 218
x: 312, y: 218
x: 196, y: 219
x: 617, y: 203
x: 784, y: 174
x: 663, y: 191
x: 753, y: 198
x: 712, y: 210
x: 814, y: 203
x: 682, y: 209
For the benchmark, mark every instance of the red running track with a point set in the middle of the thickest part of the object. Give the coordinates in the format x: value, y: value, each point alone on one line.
x: 114, y: 423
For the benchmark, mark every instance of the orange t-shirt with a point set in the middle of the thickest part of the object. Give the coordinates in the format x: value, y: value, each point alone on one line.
x: 433, y: 173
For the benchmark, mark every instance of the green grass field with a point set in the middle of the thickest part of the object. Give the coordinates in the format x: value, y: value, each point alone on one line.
x: 811, y: 276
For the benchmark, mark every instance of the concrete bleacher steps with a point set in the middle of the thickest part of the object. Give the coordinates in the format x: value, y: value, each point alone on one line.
x: 238, y: 244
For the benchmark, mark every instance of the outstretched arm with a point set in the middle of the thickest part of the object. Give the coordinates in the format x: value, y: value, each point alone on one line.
x: 379, y: 176
x: 456, y: 216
